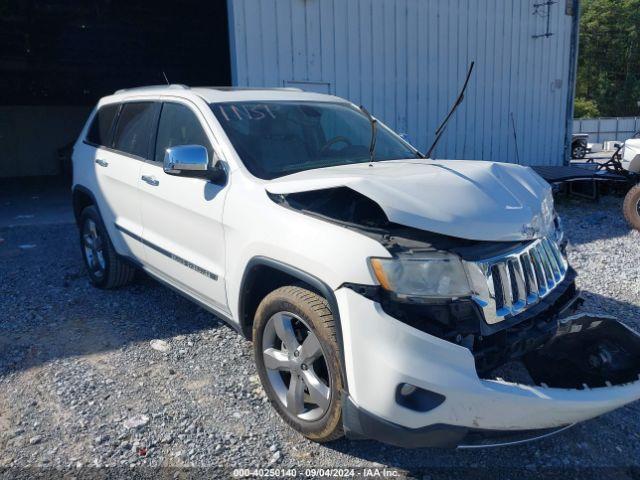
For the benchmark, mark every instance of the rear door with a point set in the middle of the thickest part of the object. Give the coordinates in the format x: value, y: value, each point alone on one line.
x: 118, y: 174
x: 182, y: 217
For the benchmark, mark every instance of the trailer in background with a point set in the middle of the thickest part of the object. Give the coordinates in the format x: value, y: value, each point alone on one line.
x: 621, y: 170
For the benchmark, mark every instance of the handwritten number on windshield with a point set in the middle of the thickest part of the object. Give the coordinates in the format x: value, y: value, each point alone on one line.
x: 246, y: 112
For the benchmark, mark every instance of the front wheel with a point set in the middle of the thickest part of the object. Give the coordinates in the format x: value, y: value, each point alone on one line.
x: 298, y: 361
x: 631, y: 207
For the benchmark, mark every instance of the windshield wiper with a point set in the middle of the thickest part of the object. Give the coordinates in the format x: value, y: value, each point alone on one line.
x: 374, y: 134
x: 440, y: 129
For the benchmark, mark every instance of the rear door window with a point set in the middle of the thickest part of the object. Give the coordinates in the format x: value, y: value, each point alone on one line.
x: 135, y: 128
x: 100, y: 129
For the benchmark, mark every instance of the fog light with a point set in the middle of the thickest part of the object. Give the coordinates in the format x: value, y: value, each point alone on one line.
x: 407, y: 389
x: 416, y: 398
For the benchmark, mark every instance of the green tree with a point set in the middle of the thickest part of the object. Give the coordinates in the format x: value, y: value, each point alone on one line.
x: 609, y: 57
x: 584, y: 108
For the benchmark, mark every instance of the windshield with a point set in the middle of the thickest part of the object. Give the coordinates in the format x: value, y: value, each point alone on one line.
x: 279, y: 138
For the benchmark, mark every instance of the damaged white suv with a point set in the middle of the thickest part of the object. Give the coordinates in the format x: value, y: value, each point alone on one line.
x: 389, y: 296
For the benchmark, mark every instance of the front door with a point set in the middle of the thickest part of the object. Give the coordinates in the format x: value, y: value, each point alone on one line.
x: 181, y: 216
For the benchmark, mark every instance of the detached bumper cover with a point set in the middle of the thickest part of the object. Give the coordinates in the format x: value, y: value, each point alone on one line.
x: 381, y: 353
x: 360, y: 424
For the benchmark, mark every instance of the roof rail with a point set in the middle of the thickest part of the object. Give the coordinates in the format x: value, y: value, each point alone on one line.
x: 231, y: 88
x: 173, y: 86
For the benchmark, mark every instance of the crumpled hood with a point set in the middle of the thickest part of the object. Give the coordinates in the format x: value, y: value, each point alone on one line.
x: 476, y: 200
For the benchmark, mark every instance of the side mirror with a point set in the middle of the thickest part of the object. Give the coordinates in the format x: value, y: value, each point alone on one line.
x: 192, y: 161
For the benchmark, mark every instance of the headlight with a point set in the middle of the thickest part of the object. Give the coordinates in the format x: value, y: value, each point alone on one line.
x: 433, y: 275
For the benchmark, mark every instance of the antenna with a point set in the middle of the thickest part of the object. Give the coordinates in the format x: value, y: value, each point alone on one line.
x: 165, y: 78
x: 440, y: 129
x: 515, y: 137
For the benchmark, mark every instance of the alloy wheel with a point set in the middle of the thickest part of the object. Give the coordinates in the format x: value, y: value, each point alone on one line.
x: 93, y: 249
x: 296, y: 366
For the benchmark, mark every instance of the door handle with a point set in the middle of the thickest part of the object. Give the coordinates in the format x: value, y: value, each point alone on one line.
x: 102, y: 163
x: 151, y: 180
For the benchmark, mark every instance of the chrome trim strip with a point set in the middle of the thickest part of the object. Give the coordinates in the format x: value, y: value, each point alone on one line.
x: 507, y: 285
x: 546, y: 264
x: 517, y: 274
x: 530, y: 278
x: 167, y: 253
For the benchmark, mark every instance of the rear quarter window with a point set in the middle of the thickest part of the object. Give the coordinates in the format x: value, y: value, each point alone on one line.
x: 100, y: 130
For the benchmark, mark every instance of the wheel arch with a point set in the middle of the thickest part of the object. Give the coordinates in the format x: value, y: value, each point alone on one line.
x: 252, y: 291
x: 280, y: 274
x: 82, y: 198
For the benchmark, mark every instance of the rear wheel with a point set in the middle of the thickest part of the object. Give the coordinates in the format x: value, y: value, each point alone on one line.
x: 105, y: 267
x: 298, y: 361
x: 631, y: 207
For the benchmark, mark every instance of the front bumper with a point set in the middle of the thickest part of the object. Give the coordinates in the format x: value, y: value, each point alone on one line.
x: 382, y: 353
x: 360, y: 424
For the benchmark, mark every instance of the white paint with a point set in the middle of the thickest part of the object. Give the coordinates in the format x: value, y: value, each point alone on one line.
x: 631, y: 155
x: 384, y: 352
x: 224, y: 227
x: 474, y: 200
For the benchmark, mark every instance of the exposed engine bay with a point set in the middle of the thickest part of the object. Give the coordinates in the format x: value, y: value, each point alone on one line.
x: 555, y: 348
x: 354, y: 210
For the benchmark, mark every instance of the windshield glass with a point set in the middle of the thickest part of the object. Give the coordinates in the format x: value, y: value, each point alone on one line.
x: 279, y: 138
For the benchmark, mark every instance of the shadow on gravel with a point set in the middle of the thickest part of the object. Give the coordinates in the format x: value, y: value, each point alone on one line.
x: 108, y: 322
x: 586, y: 220
x: 626, y: 312
x: 49, y: 311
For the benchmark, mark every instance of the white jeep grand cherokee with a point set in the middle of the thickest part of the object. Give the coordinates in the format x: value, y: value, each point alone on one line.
x: 389, y: 296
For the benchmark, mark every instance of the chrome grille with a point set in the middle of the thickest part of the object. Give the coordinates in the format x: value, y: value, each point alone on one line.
x: 507, y: 285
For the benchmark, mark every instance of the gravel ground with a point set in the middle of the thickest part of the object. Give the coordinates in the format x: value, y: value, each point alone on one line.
x: 82, y: 388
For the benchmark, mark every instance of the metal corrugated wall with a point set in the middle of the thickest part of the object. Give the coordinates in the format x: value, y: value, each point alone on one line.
x: 406, y: 59
x: 607, y: 129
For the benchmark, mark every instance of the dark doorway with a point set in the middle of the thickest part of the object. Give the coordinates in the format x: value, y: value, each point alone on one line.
x: 70, y: 52
x: 58, y: 57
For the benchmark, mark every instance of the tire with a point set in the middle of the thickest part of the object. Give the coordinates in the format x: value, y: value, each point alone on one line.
x: 578, y: 151
x: 106, y: 269
x: 307, y: 311
x: 631, y: 206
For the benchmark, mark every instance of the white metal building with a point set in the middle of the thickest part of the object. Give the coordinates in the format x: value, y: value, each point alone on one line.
x: 405, y: 60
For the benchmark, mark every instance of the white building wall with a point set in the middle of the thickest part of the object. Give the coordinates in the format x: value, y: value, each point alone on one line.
x: 405, y: 60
